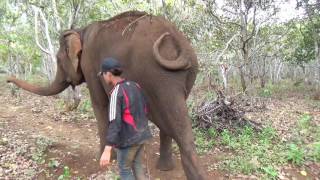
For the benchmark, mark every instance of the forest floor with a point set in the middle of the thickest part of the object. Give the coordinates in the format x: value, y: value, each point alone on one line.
x: 40, y: 141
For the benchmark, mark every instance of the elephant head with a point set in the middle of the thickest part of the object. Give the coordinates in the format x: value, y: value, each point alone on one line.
x: 68, y: 67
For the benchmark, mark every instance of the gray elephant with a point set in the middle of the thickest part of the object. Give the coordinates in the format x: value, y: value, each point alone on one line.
x: 154, y: 54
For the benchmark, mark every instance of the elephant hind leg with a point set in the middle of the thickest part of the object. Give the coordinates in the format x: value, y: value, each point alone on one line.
x: 183, y: 135
x: 165, y: 162
x: 189, y: 158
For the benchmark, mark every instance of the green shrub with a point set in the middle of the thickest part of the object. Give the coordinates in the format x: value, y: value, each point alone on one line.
x: 60, y: 104
x: 239, y: 164
x: 53, y: 163
x: 66, y: 174
x: 270, y: 171
x: 85, y: 106
x: 265, y: 92
x: 228, y: 139
x: 212, y: 133
x: 203, y: 143
x: 42, y: 144
x: 245, y: 137
x: 267, y: 133
x: 295, y: 154
x: 210, y: 95
x: 304, y: 121
x: 191, y: 110
x: 315, y: 152
x: 254, y: 151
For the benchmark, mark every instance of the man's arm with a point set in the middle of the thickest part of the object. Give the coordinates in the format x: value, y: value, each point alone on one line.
x: 115, y: 117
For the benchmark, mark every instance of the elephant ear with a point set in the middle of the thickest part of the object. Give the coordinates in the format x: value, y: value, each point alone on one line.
x: 73, y: 47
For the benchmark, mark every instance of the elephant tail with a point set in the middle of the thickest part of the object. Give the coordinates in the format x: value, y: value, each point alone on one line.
x: 181, y: 63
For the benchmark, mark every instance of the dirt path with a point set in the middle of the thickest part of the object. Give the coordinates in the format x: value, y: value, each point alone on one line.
x: 75, y: 141
x: 75, y: 144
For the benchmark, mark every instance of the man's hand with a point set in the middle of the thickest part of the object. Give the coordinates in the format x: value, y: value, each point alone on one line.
x: 105, y: 157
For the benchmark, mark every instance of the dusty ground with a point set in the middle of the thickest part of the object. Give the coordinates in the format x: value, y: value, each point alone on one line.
x: 75, y: 142
x: 28, y: 117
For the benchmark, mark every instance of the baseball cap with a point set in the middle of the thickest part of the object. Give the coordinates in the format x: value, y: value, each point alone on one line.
x: 109, y: 64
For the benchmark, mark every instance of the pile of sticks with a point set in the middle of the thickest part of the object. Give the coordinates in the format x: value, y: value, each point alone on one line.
x: 221, y: 114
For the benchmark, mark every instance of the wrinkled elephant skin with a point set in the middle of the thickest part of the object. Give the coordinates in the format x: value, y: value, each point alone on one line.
x: 154, y: 54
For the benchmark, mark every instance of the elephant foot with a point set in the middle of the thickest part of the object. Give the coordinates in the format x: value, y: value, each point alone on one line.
x: 165, y: 164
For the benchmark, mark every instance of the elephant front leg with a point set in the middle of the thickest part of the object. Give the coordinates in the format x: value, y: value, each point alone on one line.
x: 101, y: 113
x: 165, y: 162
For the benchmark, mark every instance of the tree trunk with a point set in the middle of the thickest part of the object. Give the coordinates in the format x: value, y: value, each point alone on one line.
x: 263, y: 73
x: 279, y: 71
x: 55, y: 13
x: 251, y: 72
x: 51, y: 61
x: 224, y: 69
x: 72, y: 99
x: 317, y: 56
x: 242, y: 79
x: 164, y: 6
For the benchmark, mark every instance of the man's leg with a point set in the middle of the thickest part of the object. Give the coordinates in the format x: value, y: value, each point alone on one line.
x: 125, y: 158
x: 138, y: 169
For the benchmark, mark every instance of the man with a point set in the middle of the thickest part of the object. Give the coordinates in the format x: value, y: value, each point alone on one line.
x: 128, y: 127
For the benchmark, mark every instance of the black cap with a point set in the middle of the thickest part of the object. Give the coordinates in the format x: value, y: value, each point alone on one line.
x: 109, y: 64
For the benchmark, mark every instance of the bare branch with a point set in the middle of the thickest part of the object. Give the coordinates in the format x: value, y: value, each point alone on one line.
x: 50, y: 65
x: 74, y: 11
x: 227, y: 45
x: 254, y: 19
x: 46, y: 27
x: 55, y: 13
x: 36, y: 12
x: 211, y: 12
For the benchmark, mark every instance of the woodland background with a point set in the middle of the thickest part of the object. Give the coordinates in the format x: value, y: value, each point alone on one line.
x: 262, y: 55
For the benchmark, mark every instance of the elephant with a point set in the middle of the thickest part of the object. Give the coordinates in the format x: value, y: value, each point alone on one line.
x: 153, y: 53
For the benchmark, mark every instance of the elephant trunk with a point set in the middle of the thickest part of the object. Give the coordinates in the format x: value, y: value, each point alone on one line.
x: 57, y: 86
x: 180, y: 63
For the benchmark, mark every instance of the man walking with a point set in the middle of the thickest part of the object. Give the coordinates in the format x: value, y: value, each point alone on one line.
x: 128, y: 127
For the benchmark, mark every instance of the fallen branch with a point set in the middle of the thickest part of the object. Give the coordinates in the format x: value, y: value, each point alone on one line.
x: 220, y: 115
